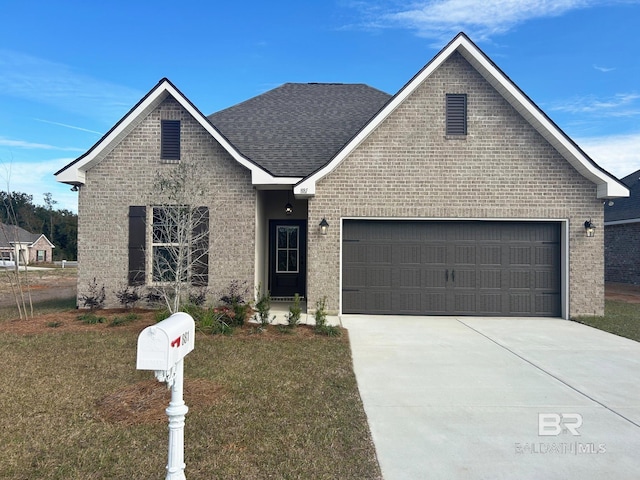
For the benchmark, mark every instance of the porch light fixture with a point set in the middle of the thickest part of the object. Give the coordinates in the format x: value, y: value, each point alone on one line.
x: 288, y: 208
x: 324, y: 226
x: 75, y: 188
x: 589, y: 228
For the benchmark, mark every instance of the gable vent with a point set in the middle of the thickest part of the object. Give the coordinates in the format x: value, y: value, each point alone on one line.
x: 170, y: 140
x: 456, y: 123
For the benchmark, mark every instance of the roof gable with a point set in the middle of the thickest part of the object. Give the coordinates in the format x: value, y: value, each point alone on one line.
x: 607, y: 185
x: 74, y: 172
x: 626, y: 209
x: 295, y: 129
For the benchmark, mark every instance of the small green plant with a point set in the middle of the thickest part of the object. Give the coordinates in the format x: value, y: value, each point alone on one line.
x: 91, y: 318
x: 263, y: 309
x: 211, y: 322
x: 128, y: 296
x: 161, y: 314
x: 234, y: 307
x: 54, y: 324
x: 119, y: 321
x: 198, y: 297
x: 293, y: 317
x: 95, y: 296
x: 321, y: 320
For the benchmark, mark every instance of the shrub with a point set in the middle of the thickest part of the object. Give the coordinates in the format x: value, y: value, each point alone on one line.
x: 198, y: 297
x: 91, y: 318
x: 95, y: 296
x: 235, y: 308
x: 321, y: 320
x: 128, y: 296
x: 128, y: 318
x: 263, y: 309
x: 293, y: 317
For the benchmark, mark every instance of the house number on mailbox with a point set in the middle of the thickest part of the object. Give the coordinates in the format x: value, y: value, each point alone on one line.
x: 181, y: 340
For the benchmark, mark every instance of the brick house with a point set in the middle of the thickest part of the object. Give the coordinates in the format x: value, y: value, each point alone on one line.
x: 622, y: 235
x: 455, y: 196
x: 17, y: 244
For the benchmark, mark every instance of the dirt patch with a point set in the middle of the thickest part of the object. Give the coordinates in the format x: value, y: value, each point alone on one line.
x: 68, y: 321
x: 43, y: 284
x: 622, y: 292
x: 145, y: 402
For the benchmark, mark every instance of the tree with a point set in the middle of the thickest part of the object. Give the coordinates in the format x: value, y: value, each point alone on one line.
x: 180, y: 234
x: 50, y: 202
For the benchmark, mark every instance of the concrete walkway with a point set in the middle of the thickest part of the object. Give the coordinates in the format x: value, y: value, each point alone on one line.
x: 460, y: 397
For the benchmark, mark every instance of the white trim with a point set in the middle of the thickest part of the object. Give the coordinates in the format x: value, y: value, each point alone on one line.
x: 75, y: 173
x: 564, y: 249
x: 622, y: 222
x: 607, y: 185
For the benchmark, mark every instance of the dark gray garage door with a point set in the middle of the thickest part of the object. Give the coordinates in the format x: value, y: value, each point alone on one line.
x: 451, y: 268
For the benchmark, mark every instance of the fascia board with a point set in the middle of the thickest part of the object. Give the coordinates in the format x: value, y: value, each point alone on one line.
x: 307, y: 188
x: 75, y: 172
x: 607, y: 186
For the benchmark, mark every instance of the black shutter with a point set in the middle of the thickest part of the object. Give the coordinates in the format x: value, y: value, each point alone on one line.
x: 170, y: 140
x: 456, y: 114
x: 137, y: 241
x: 200, y: 248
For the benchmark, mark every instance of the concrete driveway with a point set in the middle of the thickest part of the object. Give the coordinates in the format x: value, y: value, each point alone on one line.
x: 471, y: 398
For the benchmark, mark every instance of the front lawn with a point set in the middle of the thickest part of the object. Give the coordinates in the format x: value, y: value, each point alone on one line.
x: 621, y: 318
x: 260, y: 406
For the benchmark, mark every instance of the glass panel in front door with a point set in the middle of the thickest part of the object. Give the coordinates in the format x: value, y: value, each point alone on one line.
x: 287, y: 252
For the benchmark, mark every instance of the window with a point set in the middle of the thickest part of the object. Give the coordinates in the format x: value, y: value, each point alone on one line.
x: 287, y: 251
x: 41, y: 256
x: 456, y: 121
x: 173, y: 240
x: 170, y: 140
x: 170, y: 242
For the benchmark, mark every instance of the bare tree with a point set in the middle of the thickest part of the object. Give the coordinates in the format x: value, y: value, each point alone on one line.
x: 179, y: 233
x: 50, y: 202
x: 18, y: 278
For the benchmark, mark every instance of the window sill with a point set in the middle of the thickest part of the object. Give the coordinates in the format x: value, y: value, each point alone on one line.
x: 455, y: 137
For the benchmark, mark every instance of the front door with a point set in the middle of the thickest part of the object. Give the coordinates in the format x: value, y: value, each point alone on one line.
x: 287, y: 257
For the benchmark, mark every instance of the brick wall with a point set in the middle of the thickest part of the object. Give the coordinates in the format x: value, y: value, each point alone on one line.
x: 622, y: 253
x: 502, y: 169
x: 126, y: 177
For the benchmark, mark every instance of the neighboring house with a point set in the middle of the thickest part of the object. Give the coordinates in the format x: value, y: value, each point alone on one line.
x: 622, y: 235
x: 16, y: 244
x: 455, y: 196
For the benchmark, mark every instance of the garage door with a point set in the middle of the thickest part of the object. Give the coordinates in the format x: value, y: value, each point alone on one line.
x: 451, y: 268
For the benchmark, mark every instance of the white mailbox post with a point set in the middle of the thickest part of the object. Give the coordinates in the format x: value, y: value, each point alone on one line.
x: 162, y: 348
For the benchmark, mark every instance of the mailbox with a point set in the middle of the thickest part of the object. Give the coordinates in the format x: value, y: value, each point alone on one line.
x: 163, y: 345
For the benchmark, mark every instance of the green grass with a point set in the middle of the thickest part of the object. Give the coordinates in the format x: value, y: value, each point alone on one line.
x: 620, y: 318
x: 289, y: 408
x: 41, y: 308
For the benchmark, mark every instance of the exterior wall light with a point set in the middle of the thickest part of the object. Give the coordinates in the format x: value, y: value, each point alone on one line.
x: 324, y: 226
x: 589, y: 228
x: 288, y: 209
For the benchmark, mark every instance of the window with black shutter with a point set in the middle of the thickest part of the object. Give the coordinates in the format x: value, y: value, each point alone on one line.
x: 456, y: 122
x: 170, y: 140
x: 137, y: 241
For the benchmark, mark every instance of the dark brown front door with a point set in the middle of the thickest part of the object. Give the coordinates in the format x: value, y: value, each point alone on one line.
x: 287, y: 257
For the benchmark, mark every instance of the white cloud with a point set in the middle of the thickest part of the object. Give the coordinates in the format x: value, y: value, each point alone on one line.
x: 618, y: 154
x: 619, y: 105
x: 7, y: 142
x: 603, y: 69
x: 441, y: 19
x: 36, y: 178
x: 50, y: 83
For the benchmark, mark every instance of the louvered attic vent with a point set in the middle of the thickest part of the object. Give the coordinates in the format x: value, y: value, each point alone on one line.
x: 456, y: 114
x: 170, y: 140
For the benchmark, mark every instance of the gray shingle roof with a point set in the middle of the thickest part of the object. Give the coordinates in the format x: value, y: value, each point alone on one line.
x: 626, y: 208
x: 10, y: 234
x: 295, y: 129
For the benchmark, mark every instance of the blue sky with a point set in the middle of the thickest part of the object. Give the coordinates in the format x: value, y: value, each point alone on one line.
x: 69, y: 70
